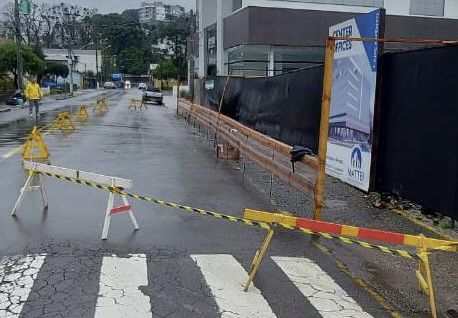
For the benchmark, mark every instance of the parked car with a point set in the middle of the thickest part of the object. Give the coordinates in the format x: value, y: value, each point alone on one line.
x: 16, y: 99
x: 142, y: 86
x: 53, y: 86
x: 109, y: 85
x: 152, y: 94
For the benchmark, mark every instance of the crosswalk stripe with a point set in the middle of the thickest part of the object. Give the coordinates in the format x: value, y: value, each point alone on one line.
x: 329, y: 299
x: 17, y: 274
x: 225, y: 278
x: 119, y: 288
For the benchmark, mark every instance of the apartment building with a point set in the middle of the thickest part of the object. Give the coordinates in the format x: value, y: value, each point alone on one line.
x: 157, y: 11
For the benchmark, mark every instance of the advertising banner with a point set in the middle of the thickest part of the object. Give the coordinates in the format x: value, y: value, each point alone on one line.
x: 353, y: 99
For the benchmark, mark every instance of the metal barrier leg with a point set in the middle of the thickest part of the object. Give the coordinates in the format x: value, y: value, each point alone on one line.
x: 22, y: 192
x: 424, y: 277
x: 131, y: 213
x: 258, y: 257
x: 106, y: 225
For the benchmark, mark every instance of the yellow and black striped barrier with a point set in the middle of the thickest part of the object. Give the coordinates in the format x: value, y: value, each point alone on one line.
x: 423, y: 273
x: 232, y: 218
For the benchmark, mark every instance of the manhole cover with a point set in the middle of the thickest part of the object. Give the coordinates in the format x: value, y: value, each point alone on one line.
x: 452, y: 313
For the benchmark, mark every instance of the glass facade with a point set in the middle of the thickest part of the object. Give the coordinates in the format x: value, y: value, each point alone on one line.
x: 288, y: 59
x: 266, y: 60
x: 210, y: 48
x: 248, y: 59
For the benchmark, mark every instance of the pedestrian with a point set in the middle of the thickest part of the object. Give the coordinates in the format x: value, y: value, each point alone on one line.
x: 33, y: 94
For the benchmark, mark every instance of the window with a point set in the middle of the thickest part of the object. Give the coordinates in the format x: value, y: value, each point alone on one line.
x: 427, y: 7
x: 363, y: 3
x: 236, y: 4
x: 248, y: 60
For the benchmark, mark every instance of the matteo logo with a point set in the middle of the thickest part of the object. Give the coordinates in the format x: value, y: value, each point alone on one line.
x: 355, y: 172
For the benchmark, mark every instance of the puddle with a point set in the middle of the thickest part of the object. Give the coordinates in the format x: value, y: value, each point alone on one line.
x: 16, y: 132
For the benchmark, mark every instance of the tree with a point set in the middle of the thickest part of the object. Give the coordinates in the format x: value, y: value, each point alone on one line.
x: 165, y: 70
x: 56, y: 70
x: 33, y: 64
x: 134, y: 61
x: 119, y: 32
x: 132, y: 15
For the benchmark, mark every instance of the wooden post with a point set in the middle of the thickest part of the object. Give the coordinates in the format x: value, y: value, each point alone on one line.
x: 178, y: 92
x: 221, y: 100
x: 324, y: 129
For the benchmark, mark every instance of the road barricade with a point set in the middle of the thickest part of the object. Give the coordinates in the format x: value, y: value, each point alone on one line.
x: 134, y: 103
x: 343, y: 233
x: 35, y: 147
x: 100, y: 107
x: 82, y: 114
x: 64, y: 122
x: 264, y: 220
x: 115, y: 184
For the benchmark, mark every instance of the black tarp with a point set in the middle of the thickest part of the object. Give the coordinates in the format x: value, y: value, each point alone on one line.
x: 286, y: 107
x: 418, y: 135
x: 416, y: 155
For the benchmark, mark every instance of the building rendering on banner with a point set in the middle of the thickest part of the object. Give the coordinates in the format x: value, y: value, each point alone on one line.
x: 269, y: 37
x: 152, y: 12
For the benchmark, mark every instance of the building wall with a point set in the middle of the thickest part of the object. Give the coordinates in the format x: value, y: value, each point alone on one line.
x: 223, y: 9
x: 206, y: 16
x: 270, y: 26
x: 393, y: 7
x: 86, y: 59
x: 249, y: 28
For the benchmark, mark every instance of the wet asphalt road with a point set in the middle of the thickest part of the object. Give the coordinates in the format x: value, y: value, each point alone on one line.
x: 166, y: 160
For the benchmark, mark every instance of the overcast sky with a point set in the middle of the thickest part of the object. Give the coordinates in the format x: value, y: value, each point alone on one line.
x: 105, y: 6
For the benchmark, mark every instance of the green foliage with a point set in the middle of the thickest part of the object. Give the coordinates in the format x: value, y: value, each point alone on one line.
x: 171, y: 68
x: 134, y: 61
x: 6, y: 83
x: 120, y: 32
x: 32, y: 63
x: 131, y: 15
x: 56, y: 69
x: 175, y: 32
x: 186, y: 95
x: 165, y: 70
x: 128, y: 47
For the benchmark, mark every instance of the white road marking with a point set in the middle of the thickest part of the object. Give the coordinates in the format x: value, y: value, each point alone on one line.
x: 119, y: 292
x: 17, y: 274
x: 329, y: 299
x: 226, y: 278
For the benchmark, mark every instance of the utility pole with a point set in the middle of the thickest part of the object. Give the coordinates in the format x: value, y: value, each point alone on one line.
x: 96, y: 38
x: 19, y: 69
x: 70, y: 66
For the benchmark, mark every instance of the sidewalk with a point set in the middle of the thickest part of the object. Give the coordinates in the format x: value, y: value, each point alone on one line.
x: 49, y: 103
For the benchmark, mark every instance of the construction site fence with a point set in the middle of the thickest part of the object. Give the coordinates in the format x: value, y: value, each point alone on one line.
x: 416, y: 138
x: 418, y: 135
x: 268, y: 153
x: 285, y: 107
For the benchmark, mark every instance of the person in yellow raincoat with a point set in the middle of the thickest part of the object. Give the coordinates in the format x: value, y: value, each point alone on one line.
x: 33, y: 94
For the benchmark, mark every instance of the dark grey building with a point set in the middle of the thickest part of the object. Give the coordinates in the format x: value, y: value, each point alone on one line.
x: 268, y: 41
